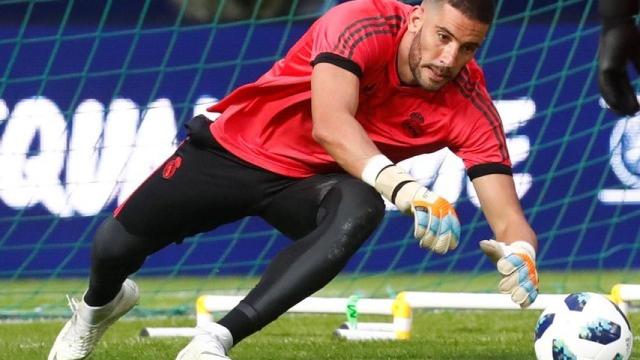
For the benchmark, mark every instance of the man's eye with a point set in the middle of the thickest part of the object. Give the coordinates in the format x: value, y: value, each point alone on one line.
x: 469, y: 49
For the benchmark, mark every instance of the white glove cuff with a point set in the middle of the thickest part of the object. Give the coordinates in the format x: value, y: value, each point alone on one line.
x: 405, y: 194
x: 397, y: 186
x: 524, y: 247
x: 374, y: 165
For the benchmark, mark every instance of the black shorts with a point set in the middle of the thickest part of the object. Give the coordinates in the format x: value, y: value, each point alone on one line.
x: 202, y: 186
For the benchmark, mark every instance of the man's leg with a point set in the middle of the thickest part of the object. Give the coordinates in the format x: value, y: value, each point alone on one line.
x: 115, y: 254
x: 196, y: 190
x: 328, y: 233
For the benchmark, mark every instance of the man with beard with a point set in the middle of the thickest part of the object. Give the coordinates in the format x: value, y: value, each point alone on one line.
x: 309, y: 147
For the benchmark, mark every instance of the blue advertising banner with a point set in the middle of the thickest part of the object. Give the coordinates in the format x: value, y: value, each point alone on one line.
x: 87, y: 111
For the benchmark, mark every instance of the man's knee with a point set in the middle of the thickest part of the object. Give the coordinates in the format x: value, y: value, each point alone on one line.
x: 113, y: 242
x: 357, y: 206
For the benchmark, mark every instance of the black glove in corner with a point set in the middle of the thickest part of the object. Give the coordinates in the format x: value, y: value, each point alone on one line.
x: 619, y: 44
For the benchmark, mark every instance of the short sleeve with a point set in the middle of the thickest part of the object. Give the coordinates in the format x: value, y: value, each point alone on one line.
x: 484, y: 149
x: 354, y: 36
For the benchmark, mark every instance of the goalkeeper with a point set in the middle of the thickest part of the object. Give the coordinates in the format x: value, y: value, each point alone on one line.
x: 619, y: 45
x: 309, y: 147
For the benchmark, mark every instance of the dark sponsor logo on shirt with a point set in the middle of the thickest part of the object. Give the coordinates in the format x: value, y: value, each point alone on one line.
x: 413, y: 125
x: 369, y: 89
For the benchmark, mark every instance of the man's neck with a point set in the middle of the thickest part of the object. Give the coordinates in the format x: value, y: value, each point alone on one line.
x: 402, y: 60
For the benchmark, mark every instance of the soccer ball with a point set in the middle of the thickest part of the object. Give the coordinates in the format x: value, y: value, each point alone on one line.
x: 585, y: 326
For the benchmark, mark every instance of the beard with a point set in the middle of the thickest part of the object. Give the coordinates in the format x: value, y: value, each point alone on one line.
x: 418, y: 69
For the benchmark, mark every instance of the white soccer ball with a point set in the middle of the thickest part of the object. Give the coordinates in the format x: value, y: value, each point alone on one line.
x: 585, y: 326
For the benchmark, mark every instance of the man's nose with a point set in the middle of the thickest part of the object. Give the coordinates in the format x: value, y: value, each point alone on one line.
x: 449, y: 54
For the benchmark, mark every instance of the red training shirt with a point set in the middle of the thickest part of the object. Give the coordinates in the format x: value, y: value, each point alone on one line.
x: 268, y: 123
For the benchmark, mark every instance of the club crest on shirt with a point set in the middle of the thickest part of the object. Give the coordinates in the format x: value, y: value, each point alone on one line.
x: 170, y: 167
x: 413, y: 125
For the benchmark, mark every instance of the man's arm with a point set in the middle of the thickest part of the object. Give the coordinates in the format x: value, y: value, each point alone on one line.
x: 515, y: 251
x: 334, y: 102
x: 501, y: 207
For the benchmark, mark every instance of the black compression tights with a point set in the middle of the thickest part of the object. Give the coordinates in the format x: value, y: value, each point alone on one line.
x: 115, y: 254
x: 352, y: 211
x: 347, y: 215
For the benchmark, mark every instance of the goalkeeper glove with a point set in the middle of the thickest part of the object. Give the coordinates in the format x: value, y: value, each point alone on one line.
x: 436, y: 225
x: 516, y: 263
x: 619, y: 43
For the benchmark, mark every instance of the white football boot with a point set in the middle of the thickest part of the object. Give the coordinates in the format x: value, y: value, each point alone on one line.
x: 212, y: 343
x: 81, y: 333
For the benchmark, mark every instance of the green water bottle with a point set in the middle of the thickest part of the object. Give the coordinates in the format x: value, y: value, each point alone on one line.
x: 352, y: 311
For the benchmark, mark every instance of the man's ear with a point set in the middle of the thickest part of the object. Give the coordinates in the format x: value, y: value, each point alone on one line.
x: 416, y: 18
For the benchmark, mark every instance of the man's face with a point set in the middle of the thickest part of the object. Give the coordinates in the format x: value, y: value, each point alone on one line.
x: 444, y: 42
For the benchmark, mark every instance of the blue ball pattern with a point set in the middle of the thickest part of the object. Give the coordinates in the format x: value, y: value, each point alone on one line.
x: 577, y: 301
x: 601, y: 331
x: 543, y: 323
x: 561, y: 351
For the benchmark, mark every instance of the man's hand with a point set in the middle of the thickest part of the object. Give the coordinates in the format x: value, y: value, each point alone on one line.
x: 436, y: 224
x: 619, y: 44
x: 516, y: 263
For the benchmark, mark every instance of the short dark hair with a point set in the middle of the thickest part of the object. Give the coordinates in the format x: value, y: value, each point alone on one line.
x: 481, y: 10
